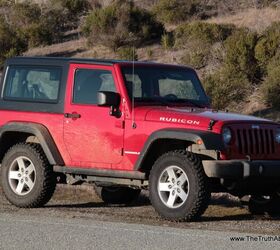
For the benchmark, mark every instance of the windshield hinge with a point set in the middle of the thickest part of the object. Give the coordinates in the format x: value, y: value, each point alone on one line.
x: 211, y: 124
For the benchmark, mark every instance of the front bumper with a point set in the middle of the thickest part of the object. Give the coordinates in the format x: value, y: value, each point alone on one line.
x: 238, y: 169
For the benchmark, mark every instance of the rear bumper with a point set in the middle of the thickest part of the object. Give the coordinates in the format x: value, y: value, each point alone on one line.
x: 239, y: 169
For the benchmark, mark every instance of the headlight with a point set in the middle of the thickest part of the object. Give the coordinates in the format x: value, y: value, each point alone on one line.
x: 227, y: 135
x: 277, y: 136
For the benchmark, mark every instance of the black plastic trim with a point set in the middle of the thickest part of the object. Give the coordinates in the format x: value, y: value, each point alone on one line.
x: 239, y: 169
x: 135, y: 175
x: 211, y: 141
x: 43, y: 135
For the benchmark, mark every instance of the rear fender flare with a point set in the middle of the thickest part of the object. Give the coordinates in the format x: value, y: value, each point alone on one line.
x: 44, y: 137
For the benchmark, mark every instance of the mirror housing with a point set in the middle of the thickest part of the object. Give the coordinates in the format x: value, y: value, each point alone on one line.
x: 110, y: 99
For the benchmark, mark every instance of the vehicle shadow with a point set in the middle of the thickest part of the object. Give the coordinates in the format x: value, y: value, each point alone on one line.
x: 142, y: 201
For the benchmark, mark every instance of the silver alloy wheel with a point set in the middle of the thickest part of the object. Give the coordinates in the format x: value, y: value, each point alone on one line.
x: 22, y: 176
x: 173, y: 187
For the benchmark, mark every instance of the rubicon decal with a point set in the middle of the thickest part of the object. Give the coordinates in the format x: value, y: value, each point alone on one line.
x: 178, y: 120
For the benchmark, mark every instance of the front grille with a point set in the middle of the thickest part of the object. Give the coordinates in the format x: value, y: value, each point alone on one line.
x: 255, y: 141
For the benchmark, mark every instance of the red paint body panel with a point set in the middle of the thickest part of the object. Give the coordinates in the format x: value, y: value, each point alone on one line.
x: 98, y: 140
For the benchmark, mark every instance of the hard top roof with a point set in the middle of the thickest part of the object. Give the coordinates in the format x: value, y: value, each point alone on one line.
x: 67, y: 60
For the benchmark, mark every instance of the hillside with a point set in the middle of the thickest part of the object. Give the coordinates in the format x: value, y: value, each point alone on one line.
x: 227, y: 42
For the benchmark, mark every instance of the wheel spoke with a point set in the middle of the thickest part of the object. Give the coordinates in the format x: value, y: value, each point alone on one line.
x: 20, y: 163
x: 163, y: 186
x: 171, y: 199
x: 29, y: 183
x: 20, y: 187
x: 30, y: 169
x: 182, y: 195
x: 171, y: 174
x: 14, y: 175
x: 182, y: 179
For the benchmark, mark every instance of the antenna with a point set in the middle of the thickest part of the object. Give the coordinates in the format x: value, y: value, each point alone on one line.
x: 133, y: 101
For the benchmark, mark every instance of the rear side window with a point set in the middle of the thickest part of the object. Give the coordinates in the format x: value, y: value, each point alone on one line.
x: 35, y: 84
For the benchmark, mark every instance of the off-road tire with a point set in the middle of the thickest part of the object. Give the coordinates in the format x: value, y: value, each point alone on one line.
x: 199, y: 194
x: 45, y: 183
x: 117, y: 195
x: 270, y: 207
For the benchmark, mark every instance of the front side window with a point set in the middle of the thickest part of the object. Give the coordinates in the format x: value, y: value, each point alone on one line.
x: 35, y: 84
x: 163, y: 85
x: 88, y: 82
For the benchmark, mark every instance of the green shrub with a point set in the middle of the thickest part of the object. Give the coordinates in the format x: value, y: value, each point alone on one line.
x: 268, y: 45
x: 10, y: 43
x: 226, y: 87
x: 174, y: 11
x: 240, y: 54
x: 150, y: 53
x: 167, y: 40
x: 271, y: 85
x: 127, y: 53
x: 205, y: 32
x: 121, y: 24
x: 76, y: 7
x: 37, y: 34
x: 24, y: 13
x: 196, y: 55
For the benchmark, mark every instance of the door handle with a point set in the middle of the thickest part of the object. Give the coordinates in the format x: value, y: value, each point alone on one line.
x: 72, y: 115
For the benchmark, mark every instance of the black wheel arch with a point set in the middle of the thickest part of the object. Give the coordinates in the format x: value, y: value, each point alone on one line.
x: 15, y: 132
x: 175, y: 139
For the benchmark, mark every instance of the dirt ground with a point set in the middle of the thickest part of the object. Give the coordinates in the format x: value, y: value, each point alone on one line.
x: 225, y: 212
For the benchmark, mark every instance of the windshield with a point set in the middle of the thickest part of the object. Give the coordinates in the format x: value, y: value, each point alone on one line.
x: 164, y: 86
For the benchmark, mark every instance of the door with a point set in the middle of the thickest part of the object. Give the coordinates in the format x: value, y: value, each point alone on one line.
x: 92, y: 137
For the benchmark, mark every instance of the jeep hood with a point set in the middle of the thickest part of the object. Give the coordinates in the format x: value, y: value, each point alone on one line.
x: 194, y: 117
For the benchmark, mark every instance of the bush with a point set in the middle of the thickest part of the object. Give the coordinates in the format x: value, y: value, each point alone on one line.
x: 76, y: 7
x: 240, y: 53
x: 196, y: 55
x: 127, y: 53
x: 121, y: 24
x: 167, y: 40
x: 268, y: 45
x: 199, y: 31
x: 174, y: 11
x: 271, y: 85
x: 226, y: 87
x: 197, y: 38
x: 37, y: 34
x: 10, y: 43
x: 24, y: 13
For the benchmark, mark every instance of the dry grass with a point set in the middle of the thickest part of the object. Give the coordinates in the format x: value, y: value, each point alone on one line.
x: 255, y: 19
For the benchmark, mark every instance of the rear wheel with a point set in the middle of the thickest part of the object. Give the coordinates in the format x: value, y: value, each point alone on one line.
x: 117, y: 195
x: 178, y: 186
x: 26, y: 176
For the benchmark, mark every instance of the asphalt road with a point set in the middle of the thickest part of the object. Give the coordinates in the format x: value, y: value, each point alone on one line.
x: 35, y: 232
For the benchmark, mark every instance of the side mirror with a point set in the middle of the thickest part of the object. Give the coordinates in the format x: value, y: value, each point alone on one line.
x: 109, y: 99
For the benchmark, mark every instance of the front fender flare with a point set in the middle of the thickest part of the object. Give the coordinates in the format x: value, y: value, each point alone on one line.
x: 210, y: 141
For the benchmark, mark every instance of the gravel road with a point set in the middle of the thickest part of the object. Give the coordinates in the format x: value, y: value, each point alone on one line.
x: 72, y: 206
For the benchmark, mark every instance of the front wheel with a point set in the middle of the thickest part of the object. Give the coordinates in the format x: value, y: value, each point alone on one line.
x: 26, y: 176
x: 260, y: 205
x: 178, y: 186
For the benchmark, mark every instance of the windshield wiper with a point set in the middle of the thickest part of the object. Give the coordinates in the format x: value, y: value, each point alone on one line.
x: 190, y: 102
x: 157, y: 99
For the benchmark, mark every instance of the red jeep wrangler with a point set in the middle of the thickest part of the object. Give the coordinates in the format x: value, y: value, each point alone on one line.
x: 125, y: 126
